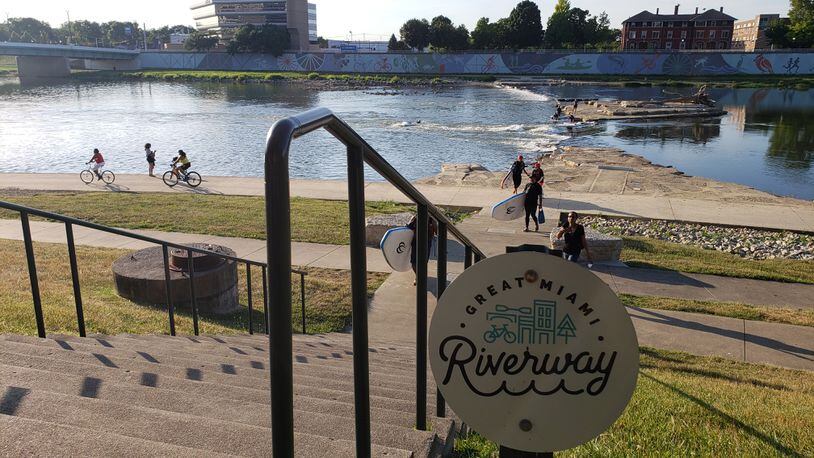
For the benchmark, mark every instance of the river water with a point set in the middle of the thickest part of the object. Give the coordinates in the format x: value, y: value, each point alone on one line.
x: 765, y: 141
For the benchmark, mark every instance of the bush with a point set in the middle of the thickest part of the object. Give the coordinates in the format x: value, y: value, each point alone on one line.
x: 313, y: 76
x: 274, y: 77
x: 394, y: 80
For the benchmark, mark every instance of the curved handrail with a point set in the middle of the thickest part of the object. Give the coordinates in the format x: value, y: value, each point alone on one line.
x: 278, y: 235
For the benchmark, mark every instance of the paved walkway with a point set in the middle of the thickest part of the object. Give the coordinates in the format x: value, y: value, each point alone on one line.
x: 798, y: 218
x: 750, y: 341
x: 645, y: 282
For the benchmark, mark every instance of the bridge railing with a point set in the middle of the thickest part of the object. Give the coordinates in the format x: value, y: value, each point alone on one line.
x: 25, y: 214
x: 278, y: 228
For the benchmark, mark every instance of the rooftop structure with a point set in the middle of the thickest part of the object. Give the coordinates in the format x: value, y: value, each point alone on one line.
x: 710, y: 29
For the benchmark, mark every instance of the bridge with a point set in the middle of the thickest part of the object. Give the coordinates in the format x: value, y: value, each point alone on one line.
x: 46, y: 61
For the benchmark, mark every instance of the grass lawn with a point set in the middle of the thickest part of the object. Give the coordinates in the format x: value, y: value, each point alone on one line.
x: 328, y: 300
x: 312, y: 220
x: 651, y: 253
x: 688, y: 405
x: 800, y: 317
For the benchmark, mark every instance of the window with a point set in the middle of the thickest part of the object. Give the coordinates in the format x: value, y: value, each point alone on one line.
x: 668, y: 45
x: 684, y: 24
x: 632, y: 34
x: 683, y: 45
x: 699, y: 34
x: 644, y: 33
x: 700, y: 24
x: 631, y: 45
x: 669, y: 34
x: 657, y: 24
x: 656, y: 34
x: 725, y: 34
x: 712, y: 34
x: 683, y: 34
x: 722, y: 45
x: 700, y: 45
x: 648, y: 24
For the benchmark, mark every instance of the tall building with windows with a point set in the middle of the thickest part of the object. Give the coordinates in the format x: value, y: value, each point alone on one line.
x: 749, y: 34
x: 710, y: 29
x: 313, y: 37
x: 224, y: 17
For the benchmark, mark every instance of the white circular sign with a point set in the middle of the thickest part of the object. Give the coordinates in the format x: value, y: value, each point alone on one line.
x: 533, y: 352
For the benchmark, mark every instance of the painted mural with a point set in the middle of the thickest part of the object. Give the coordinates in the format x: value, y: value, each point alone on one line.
x: 528, y: 63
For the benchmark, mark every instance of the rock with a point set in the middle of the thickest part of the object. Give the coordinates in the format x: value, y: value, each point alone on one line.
x: 376, y: 226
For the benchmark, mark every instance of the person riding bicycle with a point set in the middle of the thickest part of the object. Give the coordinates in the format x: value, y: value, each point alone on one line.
x: 98, y: 162
x: 180, y: 163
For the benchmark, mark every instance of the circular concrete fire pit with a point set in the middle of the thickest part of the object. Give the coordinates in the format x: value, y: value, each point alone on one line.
x: 139, y: 277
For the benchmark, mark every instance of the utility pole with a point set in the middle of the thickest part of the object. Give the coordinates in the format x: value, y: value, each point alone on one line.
x: 144, y: 32
x: 70, y: 31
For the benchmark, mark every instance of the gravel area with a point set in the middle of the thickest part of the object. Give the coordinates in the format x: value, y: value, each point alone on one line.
x: 744, y: 242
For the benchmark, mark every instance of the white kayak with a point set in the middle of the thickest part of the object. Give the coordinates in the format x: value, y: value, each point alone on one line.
x: 396, y: 248
x: 509, y: 209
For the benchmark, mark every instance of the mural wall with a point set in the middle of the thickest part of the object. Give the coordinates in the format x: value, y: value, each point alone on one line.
x: 530, y: 63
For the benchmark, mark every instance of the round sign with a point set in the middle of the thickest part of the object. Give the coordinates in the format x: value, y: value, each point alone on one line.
x: 533, y: 352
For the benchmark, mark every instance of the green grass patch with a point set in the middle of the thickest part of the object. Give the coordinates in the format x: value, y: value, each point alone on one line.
x: 734, y: 81
x: 328, y: 297
x: 800, y: 317
x: 687, y: 405
x: 312, y: 220
x: 651, y: 253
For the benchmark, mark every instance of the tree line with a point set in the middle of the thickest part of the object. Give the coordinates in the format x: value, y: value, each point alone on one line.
x: 567, y: 27
x: 795, y: 31
x: 88, y: 33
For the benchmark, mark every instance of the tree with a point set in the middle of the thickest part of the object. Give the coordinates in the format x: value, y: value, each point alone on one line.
x: 199, y: 41
x: 441, y: 32
x: 416, y: 33
x: 85, y: 33
x: 121, y: 34
x: 4, y: 35
x: 566, y: 328
x: 525, y: 25
x: 323, y: 43
x: 30, y: 30
x: 396, y: 45
x: 269, y: 38
x: 558, y: 31
x: 562, y: 6
x: 779, y: 34
x: 801, y: 23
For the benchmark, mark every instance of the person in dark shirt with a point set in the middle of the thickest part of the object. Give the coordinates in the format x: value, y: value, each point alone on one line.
x: 431, y: 231
x: 537, y: 172
x: 516, y: 172
x: 575, y: 241
x: 533, y: 202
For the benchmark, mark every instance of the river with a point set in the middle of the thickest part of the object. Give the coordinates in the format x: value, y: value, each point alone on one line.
x: 765, y: 141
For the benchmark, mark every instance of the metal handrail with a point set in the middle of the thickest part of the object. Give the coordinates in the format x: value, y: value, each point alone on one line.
x: 278, y: 234
x: 25, y: 212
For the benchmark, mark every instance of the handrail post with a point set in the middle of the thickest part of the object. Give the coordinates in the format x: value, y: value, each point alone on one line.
x: 191, y: 269
x: 358, y: 262
x: 265, y: 302
x: 77, y: 292
x: 302, y: 299
x: 32, y: 274
x: 440, y: 403
x: 467, y: 257
x: 168, y: 288
x: 278, y: 258
x: 249, y: 293
x: 421, y: 257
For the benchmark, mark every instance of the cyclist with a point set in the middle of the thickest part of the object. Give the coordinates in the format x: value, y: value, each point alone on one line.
x: 181, y: 164
x: 98, y: 163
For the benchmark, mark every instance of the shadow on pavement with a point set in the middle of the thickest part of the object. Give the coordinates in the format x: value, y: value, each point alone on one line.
x: 666, y: 277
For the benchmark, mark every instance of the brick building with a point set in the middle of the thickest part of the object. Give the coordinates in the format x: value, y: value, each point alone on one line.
x: 711, y: 29
x: 749, y: 34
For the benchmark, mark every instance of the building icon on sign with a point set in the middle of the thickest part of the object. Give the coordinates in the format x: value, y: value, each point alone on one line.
x: 529, y: 325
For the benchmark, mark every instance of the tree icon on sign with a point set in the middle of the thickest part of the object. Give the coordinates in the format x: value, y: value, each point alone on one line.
x: 566, y: 328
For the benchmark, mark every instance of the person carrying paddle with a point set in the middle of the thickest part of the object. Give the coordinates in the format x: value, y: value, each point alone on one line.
x: 517, y: 170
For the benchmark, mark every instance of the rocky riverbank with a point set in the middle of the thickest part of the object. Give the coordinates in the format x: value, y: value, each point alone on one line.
x: 612, y: 171
x: 743, y: 242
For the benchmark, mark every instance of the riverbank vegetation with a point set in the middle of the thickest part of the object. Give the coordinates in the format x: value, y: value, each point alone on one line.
x: 799, y: 317
x: 798, y: 82
x: 328, y: 297
x: 701, y: 406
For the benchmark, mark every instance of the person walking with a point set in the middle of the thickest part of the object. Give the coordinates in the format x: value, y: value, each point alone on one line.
x: 576, y: 103
x: 533, y: 202
x: 537, y: 172
x: 431, y: 231
x: 516, y: 172
x: 575, y: 241
x: 150, y: 158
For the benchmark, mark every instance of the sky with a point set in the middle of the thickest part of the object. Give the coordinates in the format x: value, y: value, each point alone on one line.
x: 368, y: 19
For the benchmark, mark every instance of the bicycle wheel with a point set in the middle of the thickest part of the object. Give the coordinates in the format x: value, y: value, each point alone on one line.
x: 193, y: 179
x: 108, y: 177
x: 170, y: 179
x: 86, y: 176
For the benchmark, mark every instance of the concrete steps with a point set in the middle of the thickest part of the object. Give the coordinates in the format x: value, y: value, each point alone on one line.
x: 161, y: 395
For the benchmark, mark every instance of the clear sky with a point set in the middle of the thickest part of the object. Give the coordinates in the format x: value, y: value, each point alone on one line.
x: 373, y: 18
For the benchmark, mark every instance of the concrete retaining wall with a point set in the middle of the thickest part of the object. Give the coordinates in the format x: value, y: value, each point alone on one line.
x: 523, y: 63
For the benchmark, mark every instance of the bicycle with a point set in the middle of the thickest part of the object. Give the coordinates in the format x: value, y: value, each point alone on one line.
x: 193, y: 179
x: 89, y: 174
x: 503, y: 331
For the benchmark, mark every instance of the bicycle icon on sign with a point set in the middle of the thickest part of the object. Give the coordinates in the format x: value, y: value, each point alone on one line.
x: 497, y: 332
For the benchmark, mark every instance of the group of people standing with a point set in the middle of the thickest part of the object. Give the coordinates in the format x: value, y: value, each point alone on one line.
x: 570, y: 230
